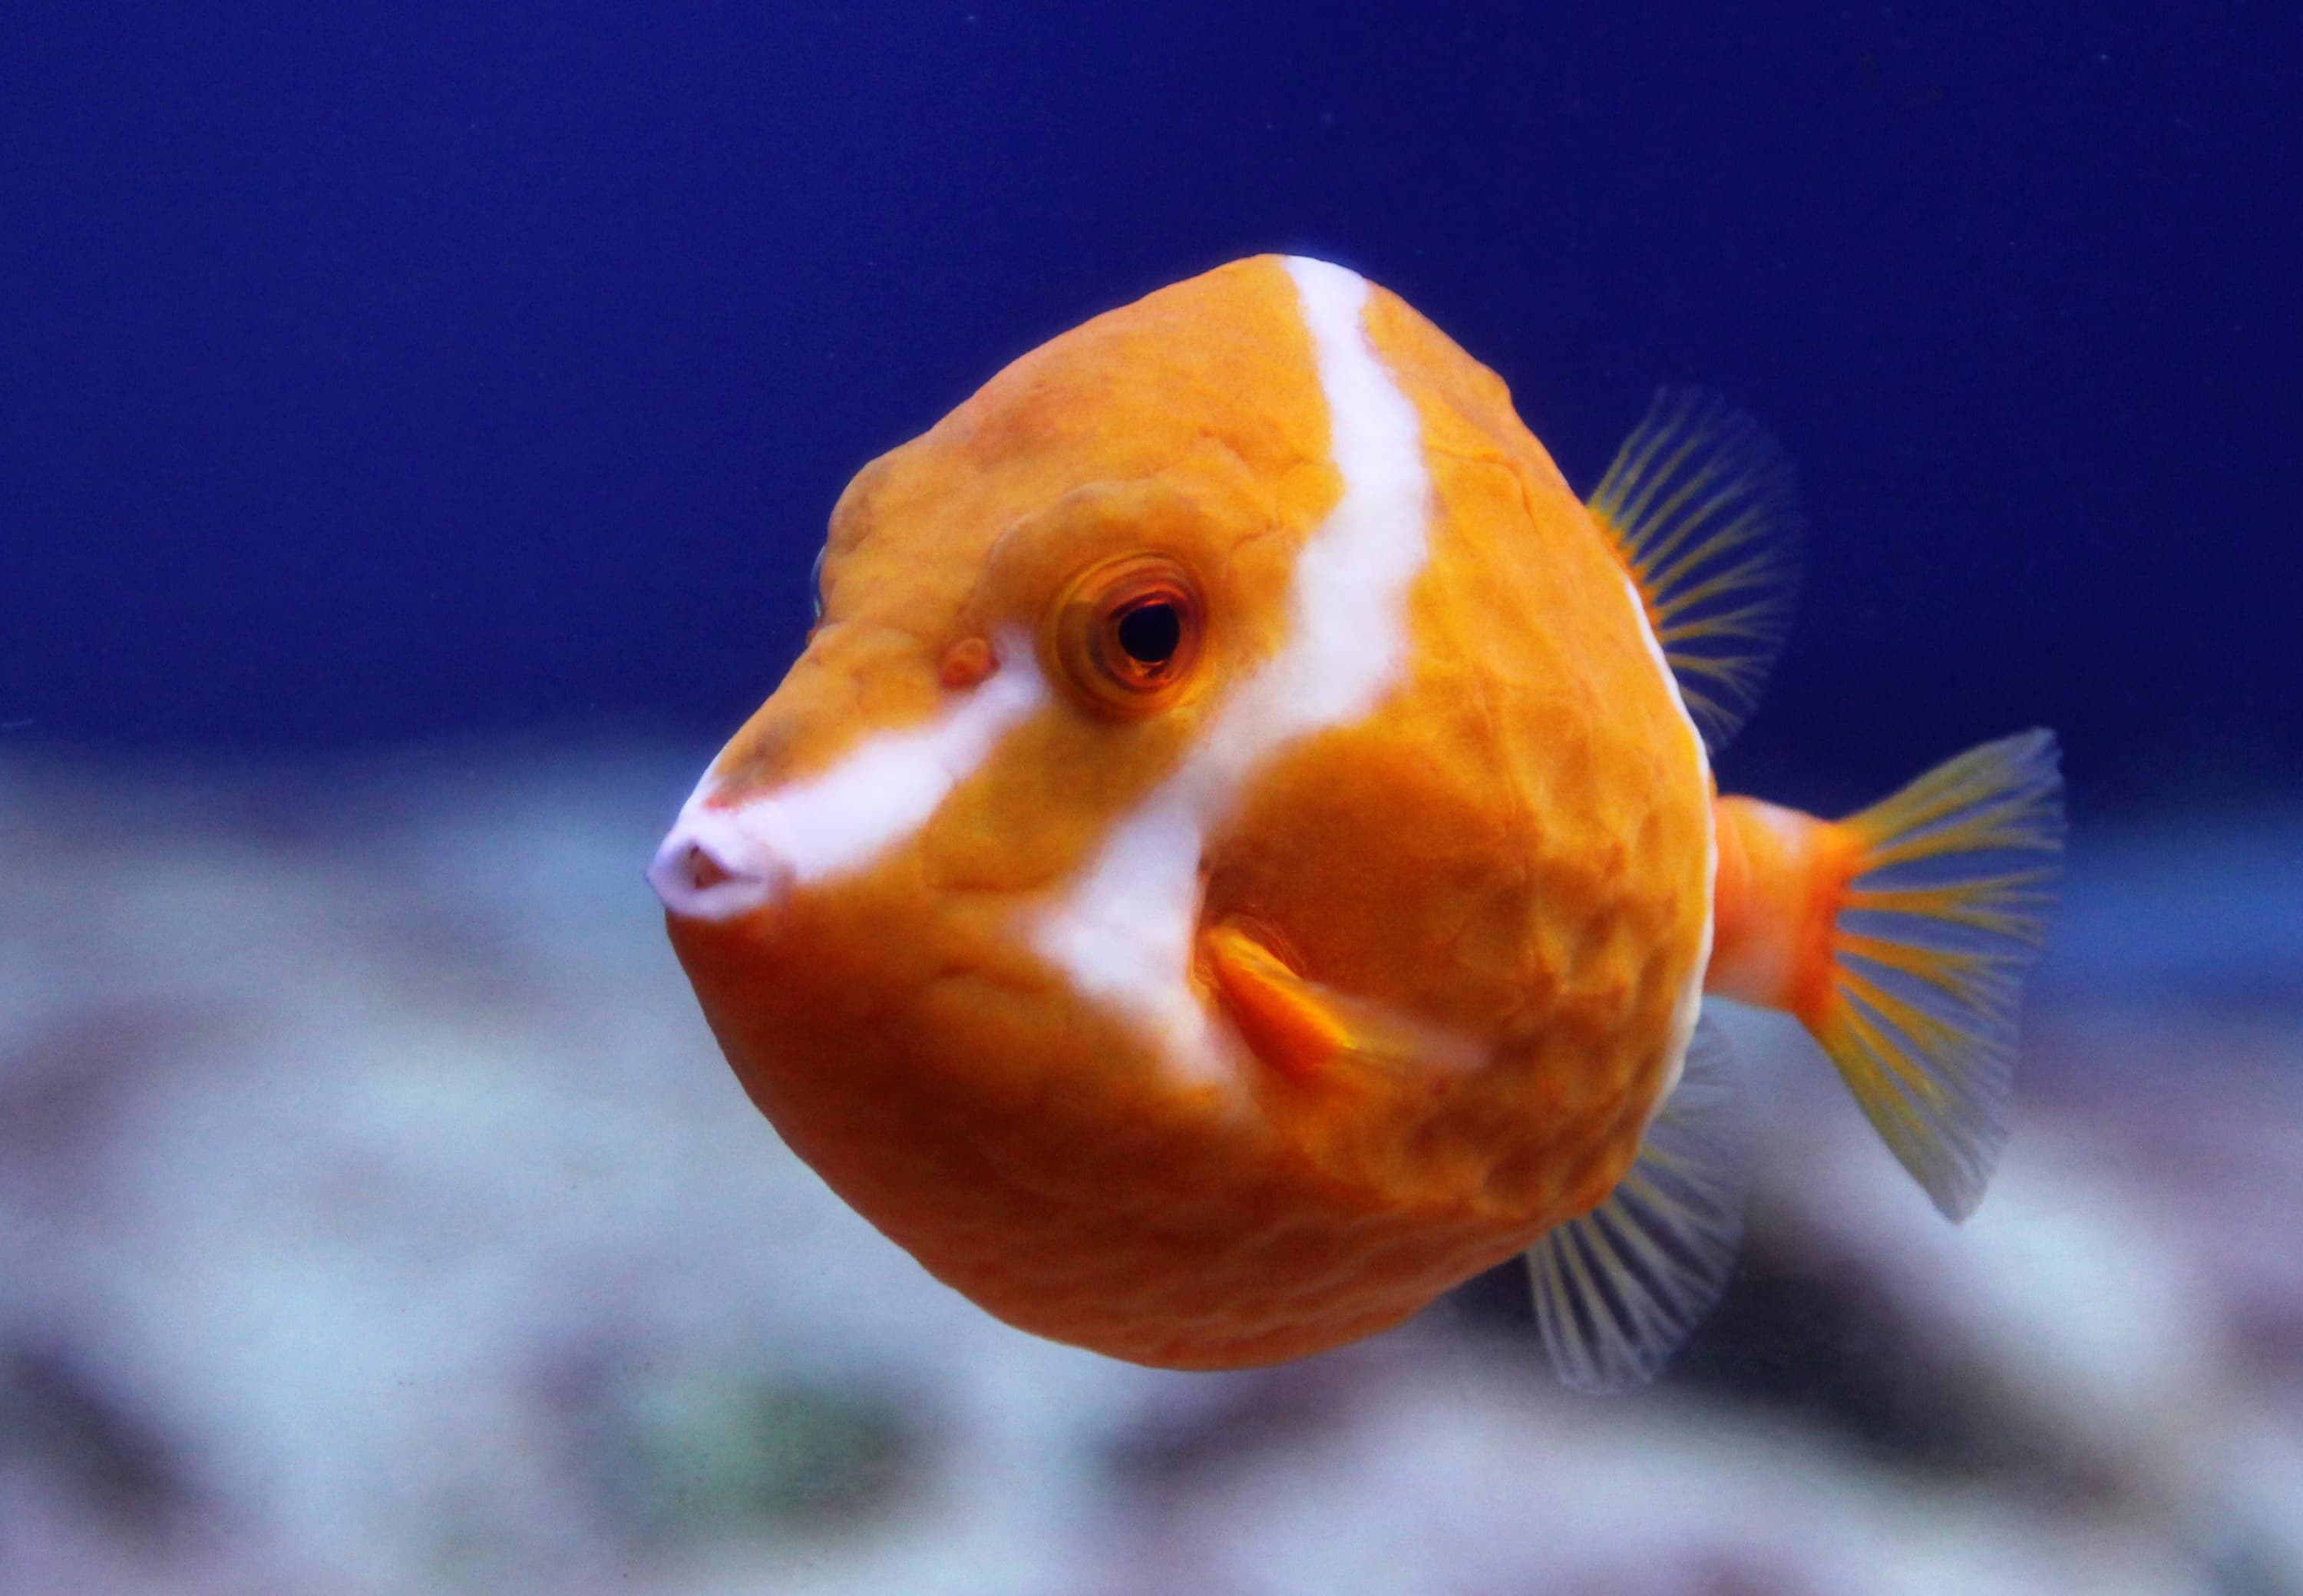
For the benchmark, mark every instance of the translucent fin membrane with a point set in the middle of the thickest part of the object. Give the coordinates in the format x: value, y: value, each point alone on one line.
x: 1947, y: 909
x: 1701, y: 504
x: 1619, y: 1289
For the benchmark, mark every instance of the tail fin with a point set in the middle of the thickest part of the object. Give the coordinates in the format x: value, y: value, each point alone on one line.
x: 1922, y: 913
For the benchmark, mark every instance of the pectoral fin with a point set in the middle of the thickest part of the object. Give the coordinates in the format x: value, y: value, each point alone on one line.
x: 1303, y: 1029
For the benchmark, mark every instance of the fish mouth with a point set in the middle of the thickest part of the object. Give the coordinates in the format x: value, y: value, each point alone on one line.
x: 710, y: 868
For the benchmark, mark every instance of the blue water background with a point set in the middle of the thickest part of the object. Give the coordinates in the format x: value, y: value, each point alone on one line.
x: 383, y: 374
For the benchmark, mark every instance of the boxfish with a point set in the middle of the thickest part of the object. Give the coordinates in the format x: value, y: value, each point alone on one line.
x: 1238, y: 854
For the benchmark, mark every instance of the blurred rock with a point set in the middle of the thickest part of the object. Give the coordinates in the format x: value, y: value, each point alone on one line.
x: 376, y: 1215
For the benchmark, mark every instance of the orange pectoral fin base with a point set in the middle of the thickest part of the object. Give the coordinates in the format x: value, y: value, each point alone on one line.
x: 1307, y: 1032
x: 1278, y: 1014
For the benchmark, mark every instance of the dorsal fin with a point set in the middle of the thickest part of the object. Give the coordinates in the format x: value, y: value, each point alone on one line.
x: 1700, y: 504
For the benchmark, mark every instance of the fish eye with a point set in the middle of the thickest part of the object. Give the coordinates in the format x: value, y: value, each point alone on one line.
x: 1128, y: 633
x: 1150, y: 633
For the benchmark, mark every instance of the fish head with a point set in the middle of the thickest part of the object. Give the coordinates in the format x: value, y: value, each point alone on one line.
x: 1029, y: 616
x: 1223, y: 866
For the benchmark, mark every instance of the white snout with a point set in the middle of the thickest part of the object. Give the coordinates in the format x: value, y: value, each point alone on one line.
x: 712, y: 866
x: 724, y: 859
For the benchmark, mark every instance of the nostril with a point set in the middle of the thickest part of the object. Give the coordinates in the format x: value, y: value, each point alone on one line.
x: 699, y: 870
x: 709, y: 870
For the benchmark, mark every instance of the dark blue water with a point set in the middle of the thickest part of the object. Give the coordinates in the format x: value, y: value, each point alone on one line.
x: 378, y: 374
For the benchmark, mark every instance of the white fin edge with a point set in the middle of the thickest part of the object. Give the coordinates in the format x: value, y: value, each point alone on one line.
x: 1618, y: 1290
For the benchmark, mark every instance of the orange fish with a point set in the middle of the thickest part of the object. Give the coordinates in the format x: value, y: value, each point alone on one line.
x: 1238, y: 854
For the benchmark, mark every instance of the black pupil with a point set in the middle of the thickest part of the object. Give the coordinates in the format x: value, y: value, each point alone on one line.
x: 1150, y: 632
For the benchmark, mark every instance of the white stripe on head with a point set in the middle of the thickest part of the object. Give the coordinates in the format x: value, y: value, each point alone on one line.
x: 721, y: 861
x: 1689, y: 1006
x: 1124, y: 934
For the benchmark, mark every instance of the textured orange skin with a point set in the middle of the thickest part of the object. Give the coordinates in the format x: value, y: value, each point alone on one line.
x: 1513, y: 848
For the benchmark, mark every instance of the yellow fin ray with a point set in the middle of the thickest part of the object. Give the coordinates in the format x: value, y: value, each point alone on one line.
x: 2013, y: 904
x: 1699, y: 503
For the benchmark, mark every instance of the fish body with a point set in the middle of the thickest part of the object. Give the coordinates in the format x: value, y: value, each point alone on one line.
x: 1238, y: 854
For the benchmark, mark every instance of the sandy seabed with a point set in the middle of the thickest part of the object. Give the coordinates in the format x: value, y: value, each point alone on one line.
x: 376, y: 1216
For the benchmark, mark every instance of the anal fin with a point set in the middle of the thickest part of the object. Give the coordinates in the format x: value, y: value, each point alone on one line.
x: 1619, y: 1289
